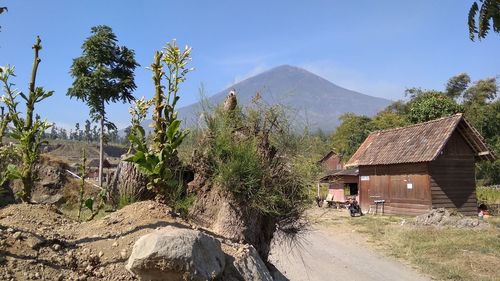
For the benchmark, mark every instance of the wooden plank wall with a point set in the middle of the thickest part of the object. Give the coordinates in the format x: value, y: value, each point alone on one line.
x: 390, y: 183
x: 452, y: 177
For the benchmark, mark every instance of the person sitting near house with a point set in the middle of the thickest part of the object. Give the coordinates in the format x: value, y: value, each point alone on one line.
x: 483, y: 211
x: 353, y: 206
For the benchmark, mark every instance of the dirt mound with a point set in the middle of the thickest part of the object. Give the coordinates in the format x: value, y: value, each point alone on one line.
x: 444, y: 217
x: 37, y: 242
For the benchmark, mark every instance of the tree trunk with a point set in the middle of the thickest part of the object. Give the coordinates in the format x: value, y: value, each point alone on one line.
x: 129, y: 185
x: 101, y: 150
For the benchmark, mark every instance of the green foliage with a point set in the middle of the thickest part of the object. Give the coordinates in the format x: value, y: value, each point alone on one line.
x: 489, y: 195
x: 252, y: 156
x: 158, y: 160
x: 351, y: 133
x: 479, y: 24
x: 28, y: 131
x: 387, y: 120
x: 240, y: 166
x: 89, y: 204
x: 431, y: 105
x: 8, y: 157
x: 103, y: 74
x: 125, y: 200
x: 4, y: 120
x: 457, y: 85
x: 481, y: 92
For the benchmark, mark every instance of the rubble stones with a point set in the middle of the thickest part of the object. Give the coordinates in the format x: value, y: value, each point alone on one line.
x: 443, y: 217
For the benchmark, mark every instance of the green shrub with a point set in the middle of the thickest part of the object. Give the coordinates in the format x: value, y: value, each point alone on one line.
x: 250, y: 156
x: 488, y: 194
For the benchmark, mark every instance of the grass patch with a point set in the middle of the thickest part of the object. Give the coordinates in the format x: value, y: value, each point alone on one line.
x: 126, y: 200
x: 444, y: 253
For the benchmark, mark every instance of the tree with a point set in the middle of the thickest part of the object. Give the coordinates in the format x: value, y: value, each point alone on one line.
x: 457, y: 85
x: 63, y: 134
x: 387, y: 119
x: 351, y: 133
x: 103, y: 74
x: 479, y: 25
x: 76, y: 134
x: 481, y: 92
x: 53, y: 132
x: 431, y: 105
x: 88, y: 131
x: 95, y: 133
x: 488, y: 173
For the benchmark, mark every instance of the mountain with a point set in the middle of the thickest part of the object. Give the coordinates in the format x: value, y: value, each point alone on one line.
x: 313, y: 100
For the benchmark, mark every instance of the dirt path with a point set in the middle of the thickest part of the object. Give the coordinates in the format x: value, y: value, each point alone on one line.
x: 328, y: 255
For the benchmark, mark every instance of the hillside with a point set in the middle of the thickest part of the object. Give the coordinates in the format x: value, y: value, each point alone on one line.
x: 313, y: 100
x: 71, y: 151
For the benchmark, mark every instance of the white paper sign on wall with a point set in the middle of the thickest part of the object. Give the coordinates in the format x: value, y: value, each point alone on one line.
x: 365, y: 178
x: 409, y: 185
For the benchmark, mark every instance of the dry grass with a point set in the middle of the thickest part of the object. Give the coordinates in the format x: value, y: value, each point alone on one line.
x: 443, y: 253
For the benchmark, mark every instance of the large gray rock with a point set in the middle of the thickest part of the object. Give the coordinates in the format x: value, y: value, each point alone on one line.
x: 250, y: 266
x: 176, y: 254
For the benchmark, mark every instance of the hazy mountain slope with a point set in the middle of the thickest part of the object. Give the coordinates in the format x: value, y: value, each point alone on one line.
x: 314, y: 100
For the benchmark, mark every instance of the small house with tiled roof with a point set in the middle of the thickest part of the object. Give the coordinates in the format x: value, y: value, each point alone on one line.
x: 340, y: 182
x: 332, y: 161
x: 419, y: 167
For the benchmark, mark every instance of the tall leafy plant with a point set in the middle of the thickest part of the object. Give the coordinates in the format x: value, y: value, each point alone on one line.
x: 158, y: 160
x: 27, y: 131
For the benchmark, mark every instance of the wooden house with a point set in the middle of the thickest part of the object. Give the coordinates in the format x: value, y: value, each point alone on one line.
x: 332, y: 161
x: 340, y: 182
x: 422, y: 166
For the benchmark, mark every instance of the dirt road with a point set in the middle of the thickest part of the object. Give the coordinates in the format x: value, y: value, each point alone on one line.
x: 328, y: 255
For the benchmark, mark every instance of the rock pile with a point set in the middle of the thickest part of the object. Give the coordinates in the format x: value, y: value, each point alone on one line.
x: 443, y: 217
x: 186, y: 254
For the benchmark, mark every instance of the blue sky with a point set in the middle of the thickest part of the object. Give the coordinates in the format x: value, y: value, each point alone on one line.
x: 374, y: 47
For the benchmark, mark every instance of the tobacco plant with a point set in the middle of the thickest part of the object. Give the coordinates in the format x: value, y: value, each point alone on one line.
x: 158, y: 160
x: 28, y: 131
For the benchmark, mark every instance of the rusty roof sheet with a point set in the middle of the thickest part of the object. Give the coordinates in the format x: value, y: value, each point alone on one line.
x: 416, y: 143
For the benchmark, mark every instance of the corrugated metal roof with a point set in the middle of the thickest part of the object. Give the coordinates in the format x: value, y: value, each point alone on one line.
x: 416, y: 143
